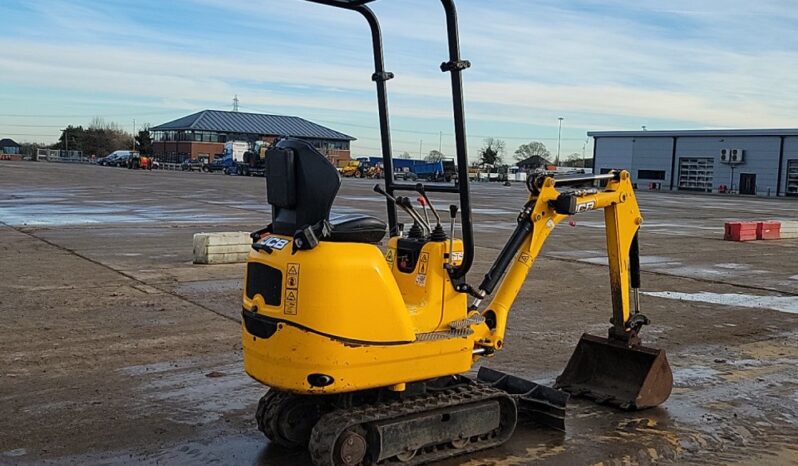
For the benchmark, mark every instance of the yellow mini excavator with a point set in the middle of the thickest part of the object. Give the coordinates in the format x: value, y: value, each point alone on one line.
x: 377, y: 376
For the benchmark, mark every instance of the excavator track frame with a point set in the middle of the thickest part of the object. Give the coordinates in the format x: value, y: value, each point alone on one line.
x: 460, y: 407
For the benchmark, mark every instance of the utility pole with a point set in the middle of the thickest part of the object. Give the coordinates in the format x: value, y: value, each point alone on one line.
x: 134, y: 134
x: 559, y: 137
x: 440, y: 141
x: 420, y: 143
x: 235, y: 103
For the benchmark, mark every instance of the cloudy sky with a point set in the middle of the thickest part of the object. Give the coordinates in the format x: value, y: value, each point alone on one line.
x: 612, y: 64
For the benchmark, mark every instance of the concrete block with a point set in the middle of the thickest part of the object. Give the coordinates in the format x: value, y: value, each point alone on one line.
x: 223, y: 238
x: 789, y: 229
x: 221, y: 247
x: 225, y: 258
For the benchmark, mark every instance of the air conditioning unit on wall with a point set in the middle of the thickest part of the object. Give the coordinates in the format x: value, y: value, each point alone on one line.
x: 724, y: 155
x: 736, y: 156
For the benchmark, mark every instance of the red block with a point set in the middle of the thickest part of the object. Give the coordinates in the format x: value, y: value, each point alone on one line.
x: 740, y: 231
x: 768, y: 230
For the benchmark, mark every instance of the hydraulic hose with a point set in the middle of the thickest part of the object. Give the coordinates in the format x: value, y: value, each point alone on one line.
x: 510, y: 249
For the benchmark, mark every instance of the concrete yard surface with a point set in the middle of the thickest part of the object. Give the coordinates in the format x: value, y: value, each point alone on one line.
x: 116, y: 349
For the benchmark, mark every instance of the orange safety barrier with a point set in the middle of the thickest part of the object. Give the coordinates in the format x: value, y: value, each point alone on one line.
x: 768, y: 230
x: 740, y: 231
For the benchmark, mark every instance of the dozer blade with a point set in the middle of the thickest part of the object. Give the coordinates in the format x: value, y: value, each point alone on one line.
x: 541, y: 404
x: 607, y: 372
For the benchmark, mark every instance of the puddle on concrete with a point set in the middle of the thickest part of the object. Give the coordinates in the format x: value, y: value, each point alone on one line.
x: 492, y: 211
x: 777, y: 303
x: 497, y: 226
x: 732, y: 266
x: 342, y: 209
x: 694, y: 376
x: 185, y: 394
x: 17, y: 452
x: 65, y: 215
x: 375, y: 198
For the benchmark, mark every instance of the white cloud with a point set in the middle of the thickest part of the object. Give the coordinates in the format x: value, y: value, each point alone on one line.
x: 610, y: 65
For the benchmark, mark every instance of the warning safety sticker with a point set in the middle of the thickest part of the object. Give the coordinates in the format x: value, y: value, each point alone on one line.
x: 292, y: 289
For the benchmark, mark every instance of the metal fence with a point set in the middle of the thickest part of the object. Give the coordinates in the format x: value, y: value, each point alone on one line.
x: 71, y: 156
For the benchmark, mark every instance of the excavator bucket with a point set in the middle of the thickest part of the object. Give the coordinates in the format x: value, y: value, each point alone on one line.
x: 608, y: 372
x: 538, y: 403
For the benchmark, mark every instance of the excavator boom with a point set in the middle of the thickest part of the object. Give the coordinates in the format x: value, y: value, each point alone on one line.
x: 616, y: 369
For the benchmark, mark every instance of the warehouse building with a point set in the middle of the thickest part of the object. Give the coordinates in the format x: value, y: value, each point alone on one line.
x: 9, y: 147
x: 761, y: 162
x: 202, y: 135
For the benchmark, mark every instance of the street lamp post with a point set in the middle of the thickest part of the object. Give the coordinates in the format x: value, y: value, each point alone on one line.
x: 559, y: 137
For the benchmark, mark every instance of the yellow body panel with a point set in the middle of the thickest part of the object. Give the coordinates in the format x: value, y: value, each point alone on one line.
x: 285, y: 360
x: 427, y: 287
x: 340, y: 289
x: 347, y: 318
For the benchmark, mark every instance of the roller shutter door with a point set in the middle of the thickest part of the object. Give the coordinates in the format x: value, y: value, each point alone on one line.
x: 695, y: 174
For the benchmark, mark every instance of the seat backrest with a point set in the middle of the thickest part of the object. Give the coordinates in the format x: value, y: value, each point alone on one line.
x: 301, y: 185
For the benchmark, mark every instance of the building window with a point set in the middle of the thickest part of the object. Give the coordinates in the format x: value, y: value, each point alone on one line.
x: 651, y: 174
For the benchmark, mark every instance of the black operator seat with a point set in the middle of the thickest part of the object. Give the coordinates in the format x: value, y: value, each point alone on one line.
x: 301, y: 185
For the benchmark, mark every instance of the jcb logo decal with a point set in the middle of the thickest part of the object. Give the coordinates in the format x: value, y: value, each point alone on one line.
x: 276, y: 243
x: 585, y: 206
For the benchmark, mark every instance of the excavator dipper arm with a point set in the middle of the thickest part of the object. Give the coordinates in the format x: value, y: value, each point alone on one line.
x: 550, y: 206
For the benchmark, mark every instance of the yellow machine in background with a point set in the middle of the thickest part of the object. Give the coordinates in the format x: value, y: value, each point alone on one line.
x: 350, y: 168
x: 377, y: 376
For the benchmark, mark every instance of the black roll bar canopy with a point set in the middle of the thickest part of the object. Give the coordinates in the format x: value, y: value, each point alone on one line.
x: 455, y: 67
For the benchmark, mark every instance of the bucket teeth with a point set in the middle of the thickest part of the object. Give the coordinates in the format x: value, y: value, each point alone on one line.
x: 465, y: 323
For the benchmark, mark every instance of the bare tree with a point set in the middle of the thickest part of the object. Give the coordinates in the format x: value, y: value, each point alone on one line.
x: 532, y: 149
x: 434, y: 156
x: 491, y: 152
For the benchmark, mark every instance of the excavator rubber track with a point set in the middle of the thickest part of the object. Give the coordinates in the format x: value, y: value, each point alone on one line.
x: 430, y: 427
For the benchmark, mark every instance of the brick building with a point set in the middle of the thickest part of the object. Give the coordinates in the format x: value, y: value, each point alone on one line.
x: 202, y: 135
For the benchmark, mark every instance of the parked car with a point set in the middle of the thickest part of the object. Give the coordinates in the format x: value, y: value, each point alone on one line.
x: 108, y: 160
x: 122, y: 159
x: 405, y: 175
x: 191, y: 165
x: 117, y: 158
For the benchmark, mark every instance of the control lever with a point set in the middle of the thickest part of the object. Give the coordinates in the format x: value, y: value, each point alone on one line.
x: 423, y: 203
x: 378, y: 189
x: 422, y: 191
x: 397, y: 201
x: 408, y: 205
x: 453, y: 215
